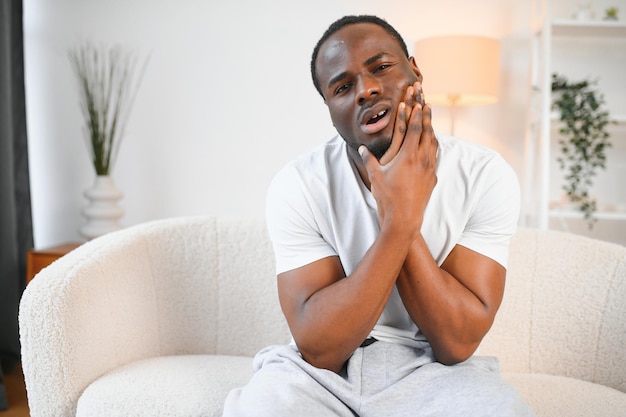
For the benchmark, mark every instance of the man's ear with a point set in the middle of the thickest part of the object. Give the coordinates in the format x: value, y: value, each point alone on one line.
x: 415, y: 68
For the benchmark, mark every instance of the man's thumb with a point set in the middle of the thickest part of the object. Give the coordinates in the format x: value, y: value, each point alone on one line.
x: 368, y: 158
x: 365, y: 153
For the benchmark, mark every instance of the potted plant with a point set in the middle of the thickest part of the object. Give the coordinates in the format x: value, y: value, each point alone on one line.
x: 584, y: 140
x: 108, y: 82
x: 611, y: 13
x: 108, y: 85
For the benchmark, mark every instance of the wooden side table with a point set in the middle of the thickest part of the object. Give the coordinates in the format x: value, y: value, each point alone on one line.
x: 37, y: 259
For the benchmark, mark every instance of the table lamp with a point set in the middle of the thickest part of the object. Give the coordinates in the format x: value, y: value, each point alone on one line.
x: 459, y: 70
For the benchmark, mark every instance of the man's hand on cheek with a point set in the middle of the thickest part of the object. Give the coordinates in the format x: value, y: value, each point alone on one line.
x: 403, y: 179
x: 413, y: 96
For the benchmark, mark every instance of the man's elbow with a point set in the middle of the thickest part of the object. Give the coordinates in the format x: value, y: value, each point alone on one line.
x: 452, y: 355
x: 324, y: 361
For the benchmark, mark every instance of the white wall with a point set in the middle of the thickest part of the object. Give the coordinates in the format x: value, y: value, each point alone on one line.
x: 226, y: 99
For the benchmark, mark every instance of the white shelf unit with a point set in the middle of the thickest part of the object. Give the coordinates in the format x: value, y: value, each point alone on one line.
x: 542, y: 132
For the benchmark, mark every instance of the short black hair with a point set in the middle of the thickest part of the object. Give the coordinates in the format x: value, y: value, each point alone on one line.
x: 350, y: 20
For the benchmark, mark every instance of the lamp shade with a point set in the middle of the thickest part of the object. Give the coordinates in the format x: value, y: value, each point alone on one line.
x: 459, y: 70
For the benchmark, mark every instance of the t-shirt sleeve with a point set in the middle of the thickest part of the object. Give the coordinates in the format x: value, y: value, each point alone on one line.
x: 293, y: 230
x: 495, y: 216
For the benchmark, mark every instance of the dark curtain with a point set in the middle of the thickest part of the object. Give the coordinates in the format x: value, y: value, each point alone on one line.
x: 15, y: 212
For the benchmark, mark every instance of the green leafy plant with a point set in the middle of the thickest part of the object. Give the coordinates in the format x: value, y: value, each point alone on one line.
x: 611, y: 13
x: 108, y: 82
x: 584, y: 141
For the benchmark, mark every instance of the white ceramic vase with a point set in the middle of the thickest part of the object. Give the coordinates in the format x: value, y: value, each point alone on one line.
x: 102, y: 213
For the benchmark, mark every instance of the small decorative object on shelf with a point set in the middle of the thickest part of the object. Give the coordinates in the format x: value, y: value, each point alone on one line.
x: 583, y: 12
x: 108, y: 82
x: 585, y: 139
x: 611, y: 13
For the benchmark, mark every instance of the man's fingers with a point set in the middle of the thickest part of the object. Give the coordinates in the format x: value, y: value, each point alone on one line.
x: 414, y: 130
x: 419, y: 94
x: 412, y: 125
x: 368, y: 158
x: 427, y: 126
x: 399, y: 131
x: 428, y: 142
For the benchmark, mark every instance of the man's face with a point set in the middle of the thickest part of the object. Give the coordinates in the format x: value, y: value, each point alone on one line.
x: 364, y: 73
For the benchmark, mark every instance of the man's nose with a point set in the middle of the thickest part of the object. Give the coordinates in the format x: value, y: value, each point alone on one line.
x: 367, y: 88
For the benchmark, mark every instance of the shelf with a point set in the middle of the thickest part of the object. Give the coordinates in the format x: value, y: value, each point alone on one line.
x: 556, y: 43
x: 619, y: 119
x: 600, y: 215
x: 592, y: 28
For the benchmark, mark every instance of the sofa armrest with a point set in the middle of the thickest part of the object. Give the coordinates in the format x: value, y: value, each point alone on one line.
x: 563, y: 309
x: 107, y: 281
x: 179, y: 286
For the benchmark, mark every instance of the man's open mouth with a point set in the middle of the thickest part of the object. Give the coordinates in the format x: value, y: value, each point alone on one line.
x: 377, y: 117
x: 378, y: 121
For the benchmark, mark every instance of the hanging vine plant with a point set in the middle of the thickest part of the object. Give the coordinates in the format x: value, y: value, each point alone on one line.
x: 584, y: 139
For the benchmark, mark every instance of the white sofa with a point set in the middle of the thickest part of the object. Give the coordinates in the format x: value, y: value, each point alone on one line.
x: 162, y: 319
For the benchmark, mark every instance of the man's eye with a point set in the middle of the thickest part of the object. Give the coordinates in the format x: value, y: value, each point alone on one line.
x: 382, y: 67
x: 342, y: 88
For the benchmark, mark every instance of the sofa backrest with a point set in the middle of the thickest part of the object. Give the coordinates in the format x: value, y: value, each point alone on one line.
x: 226, y: 285
x: 564, y: 308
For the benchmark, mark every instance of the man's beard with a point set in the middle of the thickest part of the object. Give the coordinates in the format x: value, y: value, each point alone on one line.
x: 378, y: 149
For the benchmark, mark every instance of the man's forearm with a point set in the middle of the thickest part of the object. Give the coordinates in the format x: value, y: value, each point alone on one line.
x: 337, y: 318
x: 453, y: 318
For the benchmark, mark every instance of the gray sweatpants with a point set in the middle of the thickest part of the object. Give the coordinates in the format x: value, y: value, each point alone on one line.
x: 382, y: 379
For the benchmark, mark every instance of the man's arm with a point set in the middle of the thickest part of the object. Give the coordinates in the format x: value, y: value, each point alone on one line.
x: 330, y: 314
x: 455, y: 305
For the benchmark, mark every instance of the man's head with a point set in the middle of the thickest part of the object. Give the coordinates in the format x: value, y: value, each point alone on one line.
x: 362, y: 69
x: 350, y: 20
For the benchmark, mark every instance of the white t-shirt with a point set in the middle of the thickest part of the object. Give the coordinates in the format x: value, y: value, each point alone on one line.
x: 318, y: 206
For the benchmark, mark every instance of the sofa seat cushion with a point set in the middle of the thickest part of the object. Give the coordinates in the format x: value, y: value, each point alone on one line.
x: 185, y: 385
x: 559, y: 396
x: 196, y: 385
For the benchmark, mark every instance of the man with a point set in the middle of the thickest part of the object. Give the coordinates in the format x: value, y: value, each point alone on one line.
x: 391, y: 246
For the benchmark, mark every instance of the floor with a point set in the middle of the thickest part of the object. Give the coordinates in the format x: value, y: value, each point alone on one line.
x: 16, y: 391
